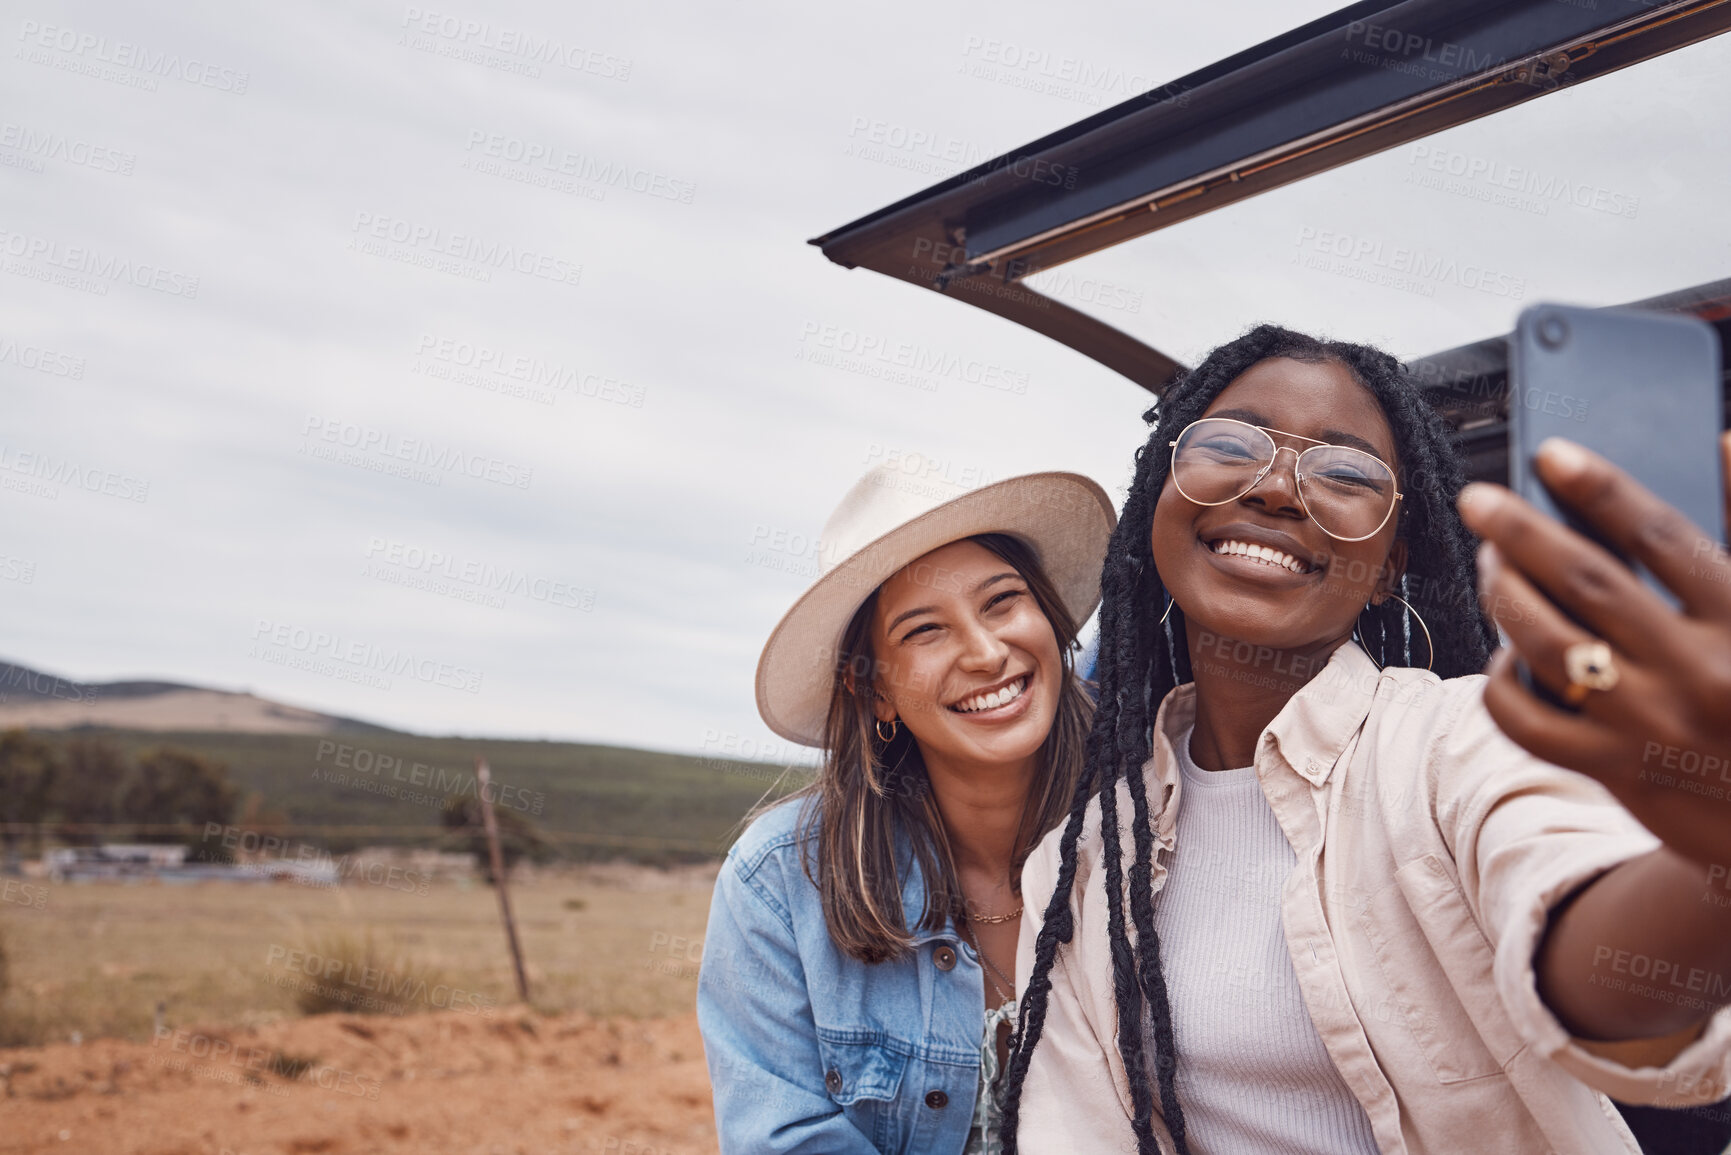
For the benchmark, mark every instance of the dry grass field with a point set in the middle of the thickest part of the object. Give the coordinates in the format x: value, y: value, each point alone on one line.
x: 606, y: 1058
x: 96, y: 958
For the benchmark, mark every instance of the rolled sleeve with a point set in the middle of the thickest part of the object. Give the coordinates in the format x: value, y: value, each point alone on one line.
x: 1699, y: 1074
x: 759, y: 1035
x: 1526, y: 835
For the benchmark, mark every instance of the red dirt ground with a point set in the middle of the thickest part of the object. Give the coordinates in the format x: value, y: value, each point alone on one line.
x: 435, y: 1084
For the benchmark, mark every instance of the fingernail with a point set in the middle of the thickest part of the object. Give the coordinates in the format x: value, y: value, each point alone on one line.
x: 1483, y: 498
x: 1490, y: 561
x: 1563, y: 459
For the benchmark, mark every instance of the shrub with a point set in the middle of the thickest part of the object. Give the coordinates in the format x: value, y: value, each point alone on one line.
x: 341, y: 971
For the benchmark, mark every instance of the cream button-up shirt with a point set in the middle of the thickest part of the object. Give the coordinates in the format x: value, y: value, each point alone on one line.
x: 1430, y: 851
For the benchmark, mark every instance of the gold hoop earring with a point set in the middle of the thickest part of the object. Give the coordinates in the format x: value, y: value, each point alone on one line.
x: 1170, y: 602
x: 1429, y: 646
x: 895, y: 724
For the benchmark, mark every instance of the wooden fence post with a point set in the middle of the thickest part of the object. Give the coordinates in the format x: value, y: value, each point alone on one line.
x: 484, y: 776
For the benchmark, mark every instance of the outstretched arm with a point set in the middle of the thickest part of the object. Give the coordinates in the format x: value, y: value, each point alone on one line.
x: 1644, y: 950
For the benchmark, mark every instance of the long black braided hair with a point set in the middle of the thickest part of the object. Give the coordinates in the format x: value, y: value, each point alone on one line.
x: 1141, y: 660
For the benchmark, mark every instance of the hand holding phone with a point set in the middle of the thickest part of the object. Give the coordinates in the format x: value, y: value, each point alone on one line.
x: 1659, y: 738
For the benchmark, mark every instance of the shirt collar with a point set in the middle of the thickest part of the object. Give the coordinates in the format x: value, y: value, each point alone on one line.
x: 1171, y: 722
x: 1307, y: 737
x: 1312, y: 730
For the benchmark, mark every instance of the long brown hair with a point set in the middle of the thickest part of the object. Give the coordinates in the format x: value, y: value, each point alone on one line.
x: 868, y: 789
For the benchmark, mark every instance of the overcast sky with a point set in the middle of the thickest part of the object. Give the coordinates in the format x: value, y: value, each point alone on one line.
x: 270, y: 407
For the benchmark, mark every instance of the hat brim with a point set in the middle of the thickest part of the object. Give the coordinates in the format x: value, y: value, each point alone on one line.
x: 1065, y: 518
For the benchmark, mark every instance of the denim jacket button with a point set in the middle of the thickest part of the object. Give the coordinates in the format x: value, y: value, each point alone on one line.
x: 937, y: 1100
x: 945, y: 958
x: 832, y: 1080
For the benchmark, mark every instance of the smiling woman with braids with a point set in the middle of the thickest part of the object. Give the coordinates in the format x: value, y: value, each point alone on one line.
x: 1302, y: 903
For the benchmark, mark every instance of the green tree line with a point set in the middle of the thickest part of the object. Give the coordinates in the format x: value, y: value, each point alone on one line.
x: 88, y: 783
x: 87, y: 791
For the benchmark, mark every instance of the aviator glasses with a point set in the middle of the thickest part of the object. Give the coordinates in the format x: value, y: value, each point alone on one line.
x: 1348, y: 493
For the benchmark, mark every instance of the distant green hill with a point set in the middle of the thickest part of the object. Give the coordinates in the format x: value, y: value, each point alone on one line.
x: 590, y: 801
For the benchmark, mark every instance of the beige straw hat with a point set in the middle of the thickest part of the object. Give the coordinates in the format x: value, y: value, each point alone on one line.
x: 894, y: 515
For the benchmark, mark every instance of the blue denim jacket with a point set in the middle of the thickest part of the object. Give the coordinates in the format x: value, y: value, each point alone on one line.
x: 810, y: 1050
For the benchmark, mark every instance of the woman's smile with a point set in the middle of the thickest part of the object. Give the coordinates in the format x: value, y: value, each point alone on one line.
x: 1004, y: 700
x: 1256, y: 553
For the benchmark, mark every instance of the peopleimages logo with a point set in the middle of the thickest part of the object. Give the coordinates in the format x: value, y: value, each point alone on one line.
x: 1403, y: 267
x: 438, y: 780
x: 904, y: 466
x: 17, y: 569
x: 282, y: 642
x: 921, y: 150
x: 485, y: 577
x: 535, y: 372
x: 370, y: 988
x: 1398, y: 43
x: 65, y: 471
x: 1061, y: 282
x: 267, y: 853
x: 42, y: 360
x: 83, y: 260
x: 916, y: 359
x: 438, y: 242
x: 1066, y: 77
x: 42, y: 145
x: 33, y: 895
x: 583, y: 167
x: 35, y: 684
x: 364, y: 439
x: 1514, y: 186
x: 182, y: 1047
x: 86, y: 46
x: 528, y: 47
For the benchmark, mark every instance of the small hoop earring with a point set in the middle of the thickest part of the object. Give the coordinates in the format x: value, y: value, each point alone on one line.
x: 1170, y: 602
x: 1429, y: 646
x: 895, y: 724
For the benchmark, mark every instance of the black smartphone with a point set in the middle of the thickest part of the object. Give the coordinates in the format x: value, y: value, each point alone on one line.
x: 1642, y: 389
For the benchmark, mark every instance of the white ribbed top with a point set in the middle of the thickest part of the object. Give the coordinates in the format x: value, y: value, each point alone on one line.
x: 1253, y: 1076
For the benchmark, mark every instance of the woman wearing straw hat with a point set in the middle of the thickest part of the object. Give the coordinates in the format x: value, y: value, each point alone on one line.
x: 858, y: 985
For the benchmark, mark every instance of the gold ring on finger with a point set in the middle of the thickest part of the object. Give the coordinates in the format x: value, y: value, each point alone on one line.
x: 1589, y: 666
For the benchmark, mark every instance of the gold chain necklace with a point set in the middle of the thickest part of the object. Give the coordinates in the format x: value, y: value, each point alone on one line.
x: 994, y: 919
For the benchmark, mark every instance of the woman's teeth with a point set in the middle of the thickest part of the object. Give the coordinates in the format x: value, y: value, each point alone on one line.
x: 1260, y: 553
x: 993, y: 700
